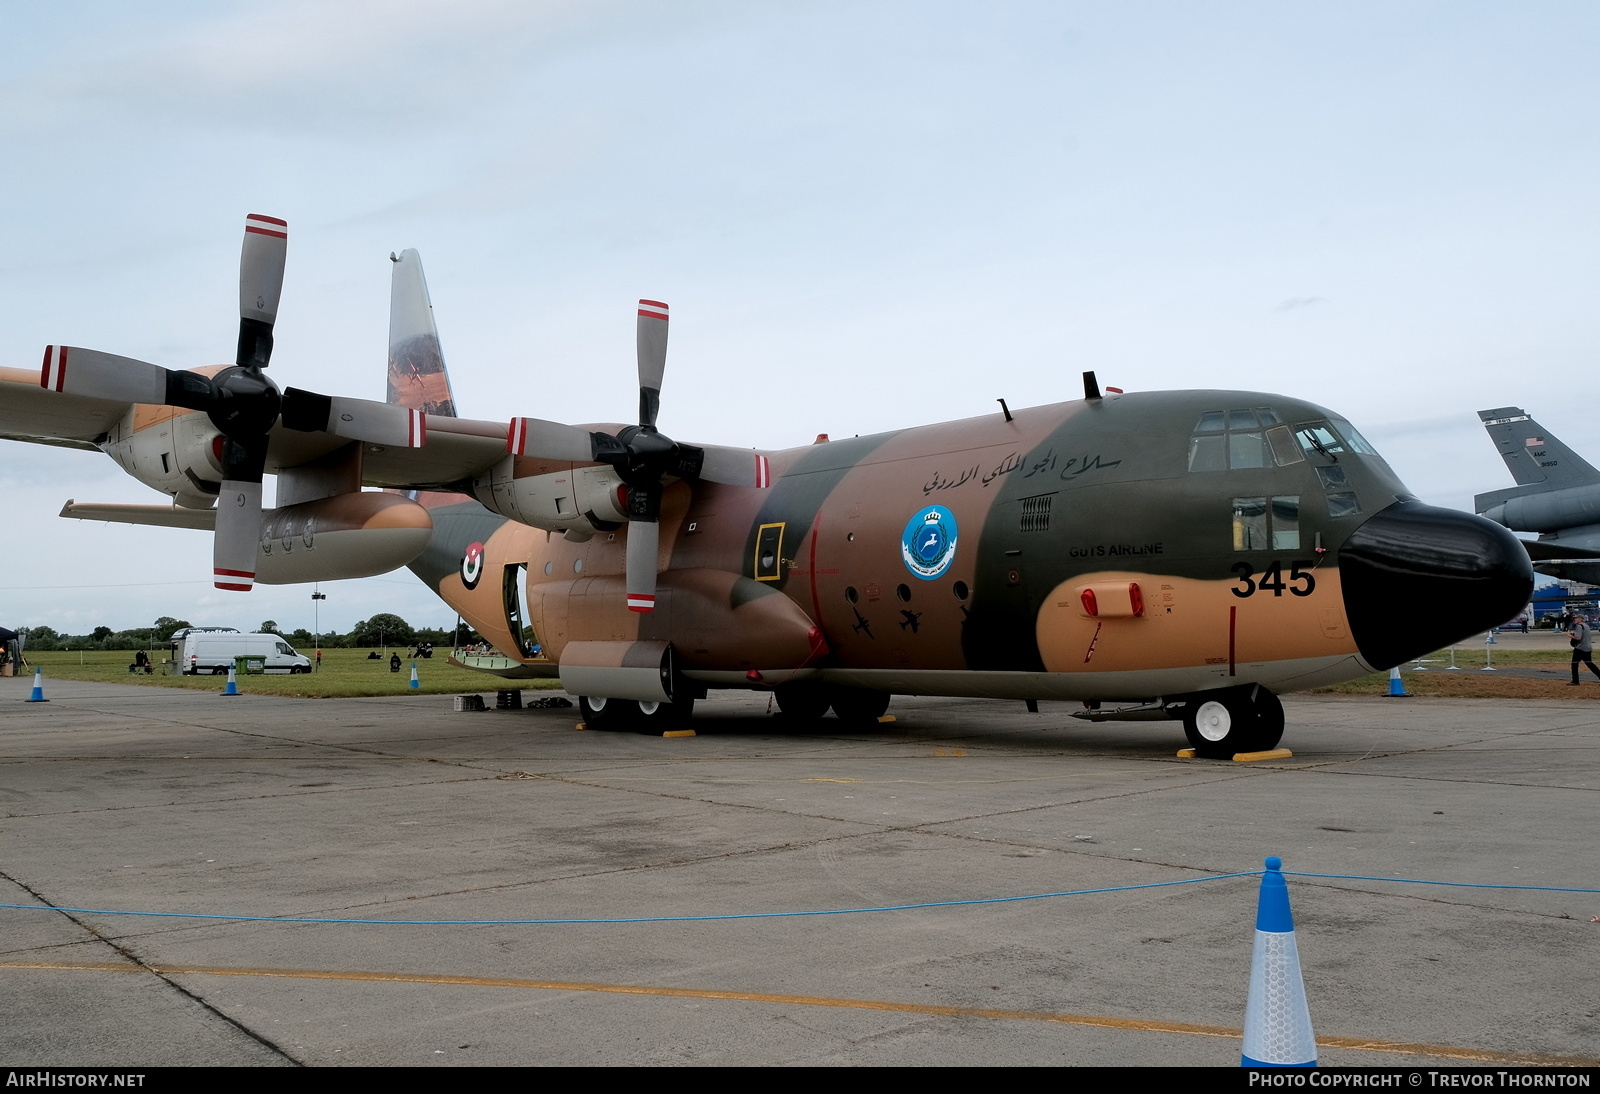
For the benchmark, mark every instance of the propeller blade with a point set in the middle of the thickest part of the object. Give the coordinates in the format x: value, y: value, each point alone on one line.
x: 355, y: 419
x: 238, y: 534
x: 644, y: 541
x: 266, y: 243
x: 735, y: 467
x: 234, y: 544
x: 550, y: 440
x: 99, y: 375
x: 652, y: 359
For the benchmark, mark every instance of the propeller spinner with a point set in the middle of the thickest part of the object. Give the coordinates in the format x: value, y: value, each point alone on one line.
x: 643, y: 456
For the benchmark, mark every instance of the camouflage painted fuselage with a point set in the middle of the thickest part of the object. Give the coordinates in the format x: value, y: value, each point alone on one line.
x: 1129, y: 547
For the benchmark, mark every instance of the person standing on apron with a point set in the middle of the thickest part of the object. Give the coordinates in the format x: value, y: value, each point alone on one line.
x: 1582, y: 647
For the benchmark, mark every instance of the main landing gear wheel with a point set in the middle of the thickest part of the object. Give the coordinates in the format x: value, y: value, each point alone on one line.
x: 660, y: 717
x: 605, y: 713
x: 859, y: 705
x: 645, y: 717
x: 801, y: 703
x: 1220, y: 724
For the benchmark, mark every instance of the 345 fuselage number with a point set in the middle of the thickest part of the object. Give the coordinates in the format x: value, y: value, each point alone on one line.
x: 1300, y: 581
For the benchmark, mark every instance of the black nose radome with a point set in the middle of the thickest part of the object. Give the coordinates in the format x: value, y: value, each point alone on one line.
x: 1417, y: 578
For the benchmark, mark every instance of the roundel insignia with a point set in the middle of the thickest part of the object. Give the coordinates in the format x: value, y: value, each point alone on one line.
x: 472, y: 566
x: 928, y: 545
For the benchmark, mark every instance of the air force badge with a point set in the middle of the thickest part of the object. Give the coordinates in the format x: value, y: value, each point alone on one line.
x: 928, y: 545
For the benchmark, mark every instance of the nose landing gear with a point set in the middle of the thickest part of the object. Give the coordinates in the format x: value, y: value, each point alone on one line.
x: 1232, y: 720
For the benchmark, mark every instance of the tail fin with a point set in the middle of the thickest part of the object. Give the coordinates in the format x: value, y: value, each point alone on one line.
x: 417, y: 376
x: 1534, y: 456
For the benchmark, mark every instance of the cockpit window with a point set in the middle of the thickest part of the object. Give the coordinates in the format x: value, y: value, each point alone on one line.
x: 1246, y: 449
x: 1284, y: 450
x: 1247, y: 437
x: 1357, y: 441
x: 1320, y: 438
x: 1343, y: 504
x: 1260, y: 523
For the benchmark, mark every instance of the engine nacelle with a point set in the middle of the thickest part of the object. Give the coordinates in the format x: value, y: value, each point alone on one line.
x: 177, y: 452
x: 1550, y: 511
x: 579, y: 502
x: 348, y: 535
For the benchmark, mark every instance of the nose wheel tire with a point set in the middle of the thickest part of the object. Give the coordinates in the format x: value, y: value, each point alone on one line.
x: 1221, y: 724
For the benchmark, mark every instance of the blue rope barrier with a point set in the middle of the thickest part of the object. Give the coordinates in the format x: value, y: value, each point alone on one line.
x: 771, y: 915
x: 629, y: 919
x: 1453, y: 884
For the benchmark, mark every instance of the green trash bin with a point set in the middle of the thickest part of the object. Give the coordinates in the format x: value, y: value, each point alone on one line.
x: 245, y: 665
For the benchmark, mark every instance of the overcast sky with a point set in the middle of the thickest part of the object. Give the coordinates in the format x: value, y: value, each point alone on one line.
x: 864, y: 215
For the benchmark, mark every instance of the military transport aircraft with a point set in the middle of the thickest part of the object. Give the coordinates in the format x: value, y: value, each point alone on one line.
x: 1557, y: 495
x: 1185, y: 554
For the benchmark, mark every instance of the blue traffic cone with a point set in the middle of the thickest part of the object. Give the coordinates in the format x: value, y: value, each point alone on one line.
x: 1396, y: 687
x: 415, y: 683
x: 1277, y: 1023
x: 233, y: 683
x: 38, y: 686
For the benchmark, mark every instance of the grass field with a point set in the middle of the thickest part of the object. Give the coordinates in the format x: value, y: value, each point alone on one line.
x: 344, y: 673
x: 1471, y: 682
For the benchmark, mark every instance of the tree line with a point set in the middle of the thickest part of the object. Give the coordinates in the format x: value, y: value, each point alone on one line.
x: 383, y: 629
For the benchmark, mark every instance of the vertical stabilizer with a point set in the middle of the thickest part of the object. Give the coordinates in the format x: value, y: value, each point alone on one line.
x: 1534, y: 456
x: 417, y: 376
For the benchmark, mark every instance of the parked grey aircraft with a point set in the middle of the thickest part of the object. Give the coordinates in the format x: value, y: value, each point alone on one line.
x: 1557, y: 495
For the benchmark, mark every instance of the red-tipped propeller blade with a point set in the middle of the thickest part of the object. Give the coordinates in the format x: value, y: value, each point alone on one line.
x: 261, y: 260
x: 652, y: 341
x: 735, y: 467
x: 644, y: 544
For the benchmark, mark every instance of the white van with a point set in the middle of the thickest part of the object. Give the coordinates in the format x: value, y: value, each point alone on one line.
x: 213, y: 652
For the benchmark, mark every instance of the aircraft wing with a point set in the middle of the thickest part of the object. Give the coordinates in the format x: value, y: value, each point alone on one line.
x: 30, y: 413
x: 455, y: 449
x: 1541, y: 550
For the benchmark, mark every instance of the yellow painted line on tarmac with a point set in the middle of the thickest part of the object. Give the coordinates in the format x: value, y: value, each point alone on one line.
x: 1136, y: 1025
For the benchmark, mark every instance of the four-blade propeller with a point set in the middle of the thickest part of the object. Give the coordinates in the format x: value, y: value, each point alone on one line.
x: 643, y: 456
x: 240, y: 400
x: 245, y: 406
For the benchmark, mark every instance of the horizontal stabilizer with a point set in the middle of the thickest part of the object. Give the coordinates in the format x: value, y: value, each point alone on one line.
x: 1534, y: 456
x: 160, y: 516
x: 1482, y: 503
